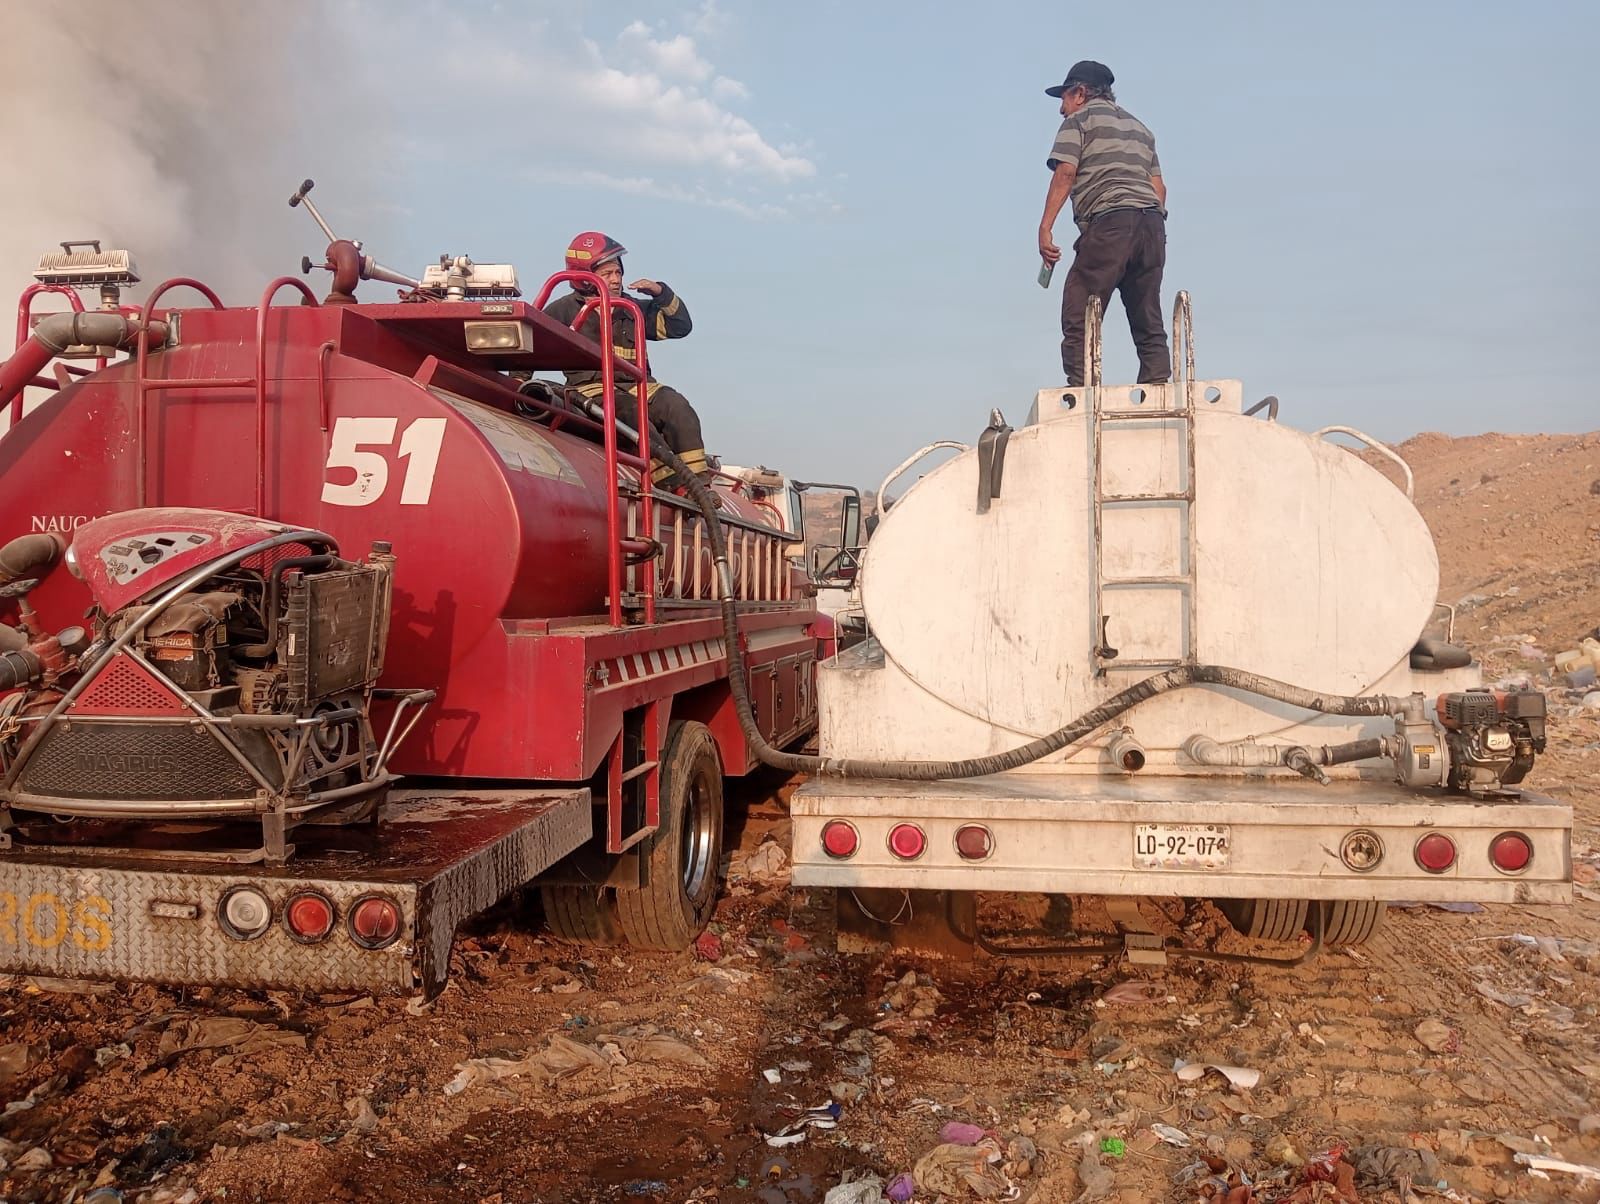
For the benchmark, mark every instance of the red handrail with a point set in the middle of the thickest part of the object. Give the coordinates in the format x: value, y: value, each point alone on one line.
x: 145, y: 385
x: 24, y: 316
x: 639, y: 369
x: 25, y: 305
x: 261, y: 380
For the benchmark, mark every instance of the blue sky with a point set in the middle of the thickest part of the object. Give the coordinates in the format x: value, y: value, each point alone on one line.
x: 1382, y: 211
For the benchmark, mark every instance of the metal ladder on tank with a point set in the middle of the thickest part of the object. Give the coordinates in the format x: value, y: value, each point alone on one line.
x: 1103, y: 423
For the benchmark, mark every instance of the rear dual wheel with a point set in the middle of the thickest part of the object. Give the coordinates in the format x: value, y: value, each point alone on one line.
x: 1345, y: 922
x: 681, y: 861
x: 585, y: 914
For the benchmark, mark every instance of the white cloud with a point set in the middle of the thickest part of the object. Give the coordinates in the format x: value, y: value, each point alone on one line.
x: 578, y: 99
x: 675, y: 57
x: 661, y: 190
x: 708, y: 20
x: 724, y: 88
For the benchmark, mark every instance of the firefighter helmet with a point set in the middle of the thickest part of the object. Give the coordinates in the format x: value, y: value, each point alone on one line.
x: 591, y: 249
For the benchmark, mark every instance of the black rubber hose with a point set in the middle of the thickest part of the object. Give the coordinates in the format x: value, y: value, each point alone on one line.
x: 29, y: 556
x: 974, y: 767
x: 19, y: 669
x: 1356, y: 750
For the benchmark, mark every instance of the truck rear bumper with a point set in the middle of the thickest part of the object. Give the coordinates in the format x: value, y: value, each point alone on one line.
x: 1077, y: 834
x: 439, y: 855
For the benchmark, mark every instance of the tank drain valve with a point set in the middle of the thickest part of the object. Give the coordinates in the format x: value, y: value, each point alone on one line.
x: 1126, y: 753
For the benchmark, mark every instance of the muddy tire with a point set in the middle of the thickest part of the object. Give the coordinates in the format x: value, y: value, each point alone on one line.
x: 585, y: 914
x: 1266, y: 919
x: 1353, y: 921
x: 681, y: 861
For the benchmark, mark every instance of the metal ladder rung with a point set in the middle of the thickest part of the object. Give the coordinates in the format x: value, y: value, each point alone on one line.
x: 1162, y: 415
x: 639, y: 770
x: 1184, y: 579
x: 1144, y: 662
x: 633, y: 839
x: 1111, y: 499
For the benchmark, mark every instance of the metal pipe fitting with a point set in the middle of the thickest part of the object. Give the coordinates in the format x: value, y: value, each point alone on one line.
x: 1203, y: 750
x: 1126, y: 753
x: 30, y: 556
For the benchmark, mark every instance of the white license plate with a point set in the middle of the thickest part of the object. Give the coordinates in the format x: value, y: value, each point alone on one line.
x: 1181, y: 846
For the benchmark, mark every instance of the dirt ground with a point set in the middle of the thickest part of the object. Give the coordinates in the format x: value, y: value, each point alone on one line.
x: 1430, y: 1057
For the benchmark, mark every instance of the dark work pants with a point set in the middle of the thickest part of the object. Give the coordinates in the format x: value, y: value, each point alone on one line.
x: 1124, y: 252
x: 670, y: 413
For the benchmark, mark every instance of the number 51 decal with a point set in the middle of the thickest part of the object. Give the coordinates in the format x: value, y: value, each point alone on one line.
x: 419, y: 447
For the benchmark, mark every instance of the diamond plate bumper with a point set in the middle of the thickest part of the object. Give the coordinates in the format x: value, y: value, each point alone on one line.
x: 441, y: 856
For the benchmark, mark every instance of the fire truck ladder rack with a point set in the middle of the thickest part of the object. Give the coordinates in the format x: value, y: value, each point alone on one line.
x: 622, y: 547
x: 638, y: 774
x: 256, y: 383
x: 1105, y: 423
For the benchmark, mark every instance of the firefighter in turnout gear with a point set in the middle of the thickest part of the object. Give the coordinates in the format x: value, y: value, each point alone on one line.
x: 665, y: 317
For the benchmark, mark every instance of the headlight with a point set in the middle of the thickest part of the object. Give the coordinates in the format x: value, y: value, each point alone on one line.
x: 71, y: 561
x: 499, y: 338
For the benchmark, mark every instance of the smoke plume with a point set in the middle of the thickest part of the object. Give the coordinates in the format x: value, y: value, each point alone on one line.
x: 178, y: 130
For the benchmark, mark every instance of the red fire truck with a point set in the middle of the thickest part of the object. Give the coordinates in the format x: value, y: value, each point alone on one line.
x: 270, y: 559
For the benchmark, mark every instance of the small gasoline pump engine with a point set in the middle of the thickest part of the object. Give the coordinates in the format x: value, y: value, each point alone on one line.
x: 230, y: 673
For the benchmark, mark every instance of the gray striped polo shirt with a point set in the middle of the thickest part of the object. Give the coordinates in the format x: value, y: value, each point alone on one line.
x: 1115, y: 156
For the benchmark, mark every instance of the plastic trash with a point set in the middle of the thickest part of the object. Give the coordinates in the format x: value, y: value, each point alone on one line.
x: 1462, y: 908
x: 1438, y: 1036
x: 1172, y: 1136
x: 901, y: 1188
x: 959, y: 1132
x: 866, y: 1190
x: 708, y: 947
x: 958, y: 1170
x: 823, y: 1116
x: 107, y: 1054
x: 363, y: 1119
x: 1113, y: 1147
x: 1242, y: 1077
x: 645, y: 1187
x: 773, y: 1075
x: 1538, y: 1162
x: 1135, y: 991
x: 35, y: 1160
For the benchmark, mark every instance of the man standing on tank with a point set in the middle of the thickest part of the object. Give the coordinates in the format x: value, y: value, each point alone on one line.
x: 1105, y: 160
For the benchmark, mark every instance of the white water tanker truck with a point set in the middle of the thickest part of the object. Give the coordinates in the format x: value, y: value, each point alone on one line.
x: 1153, y: 644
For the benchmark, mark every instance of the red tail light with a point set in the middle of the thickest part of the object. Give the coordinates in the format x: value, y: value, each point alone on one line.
x: 839, y: 839
x: 1511, y: 852
x: 1436, y: 852
x: 308, y: 916
x: 974, y: 841
x: 374, y: 922
x: 907, y: 841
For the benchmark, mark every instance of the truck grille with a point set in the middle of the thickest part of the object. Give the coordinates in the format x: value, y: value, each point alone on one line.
x: 90, y: 760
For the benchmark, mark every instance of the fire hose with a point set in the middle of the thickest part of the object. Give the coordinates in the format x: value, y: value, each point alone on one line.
x: 1084, y: 725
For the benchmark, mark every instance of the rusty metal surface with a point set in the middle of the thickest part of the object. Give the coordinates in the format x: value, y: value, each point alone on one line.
x: 441, y: 856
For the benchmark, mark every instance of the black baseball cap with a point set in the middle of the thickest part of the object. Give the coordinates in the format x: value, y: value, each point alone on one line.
x: 1087, y: 72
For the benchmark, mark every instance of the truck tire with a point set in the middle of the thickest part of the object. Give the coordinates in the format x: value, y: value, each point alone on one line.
x: 683, y: 857
x: 585, y: 914
x: 1353, y: 921
x: 1266, y: 919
